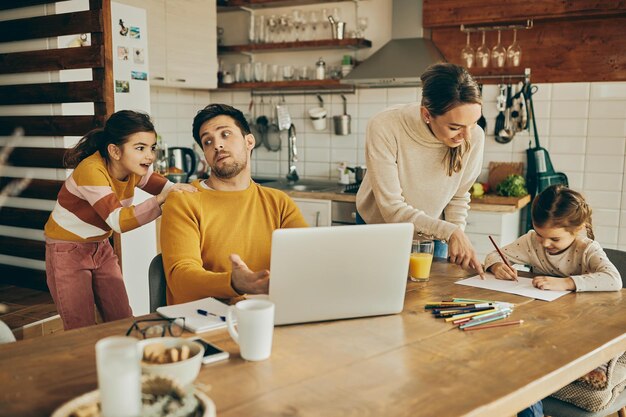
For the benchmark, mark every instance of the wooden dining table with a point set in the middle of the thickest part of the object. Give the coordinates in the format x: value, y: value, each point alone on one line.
x: 407, y: 364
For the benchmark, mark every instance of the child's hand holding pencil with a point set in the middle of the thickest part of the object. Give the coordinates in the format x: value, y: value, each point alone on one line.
x: 503, y: 270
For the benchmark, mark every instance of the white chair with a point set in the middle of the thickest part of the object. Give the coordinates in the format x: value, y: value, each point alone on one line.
x: 6, y: 335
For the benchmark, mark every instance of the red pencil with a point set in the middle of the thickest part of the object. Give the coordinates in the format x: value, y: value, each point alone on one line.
x: 489, y: 326
x: 501, y: 254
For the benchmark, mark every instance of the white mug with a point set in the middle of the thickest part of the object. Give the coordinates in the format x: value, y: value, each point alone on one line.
x: 119, y: 376
x: 255, y: 327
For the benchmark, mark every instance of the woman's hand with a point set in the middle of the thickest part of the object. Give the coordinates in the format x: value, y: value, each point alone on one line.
x: 554, y: 283
x: 178, y: 187
x: 503, y: 271
x: 461, y: 252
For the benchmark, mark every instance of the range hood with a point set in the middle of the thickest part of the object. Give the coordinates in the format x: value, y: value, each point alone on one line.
x: 402, y: 60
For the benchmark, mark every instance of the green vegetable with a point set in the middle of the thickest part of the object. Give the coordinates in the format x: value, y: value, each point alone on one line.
x: 512, y: 186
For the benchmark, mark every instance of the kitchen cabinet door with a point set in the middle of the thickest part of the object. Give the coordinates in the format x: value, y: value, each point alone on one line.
x: 503, y: 227
x: 191, y: 43
x: 182, y: 42
x: 315, y: 212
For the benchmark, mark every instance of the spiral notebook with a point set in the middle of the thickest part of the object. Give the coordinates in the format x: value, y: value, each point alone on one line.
x: 194, y: 321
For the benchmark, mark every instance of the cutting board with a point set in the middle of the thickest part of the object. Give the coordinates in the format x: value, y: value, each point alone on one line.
x: 498, y: 171
x: 503, y: 201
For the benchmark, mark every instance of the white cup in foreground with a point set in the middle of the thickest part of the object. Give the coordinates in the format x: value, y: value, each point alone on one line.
x: 255, y: 327
x: 318, y: 117
x: 119, y: 376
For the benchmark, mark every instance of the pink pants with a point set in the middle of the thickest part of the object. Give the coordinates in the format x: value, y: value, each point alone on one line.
x: 81, y: 274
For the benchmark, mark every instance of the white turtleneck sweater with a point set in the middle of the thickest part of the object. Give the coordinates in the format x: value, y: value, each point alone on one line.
x: 407, y: 179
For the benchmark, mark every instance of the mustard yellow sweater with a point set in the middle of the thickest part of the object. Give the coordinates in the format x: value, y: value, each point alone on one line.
x: 200, y: 230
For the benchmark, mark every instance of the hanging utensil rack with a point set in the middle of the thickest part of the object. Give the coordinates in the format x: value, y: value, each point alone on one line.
x: 469, y: 29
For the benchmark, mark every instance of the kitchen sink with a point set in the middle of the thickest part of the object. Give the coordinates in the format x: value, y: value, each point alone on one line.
x: 302, y: 185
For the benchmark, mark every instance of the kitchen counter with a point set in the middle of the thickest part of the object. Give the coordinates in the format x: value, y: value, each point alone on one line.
x: 499, y: 204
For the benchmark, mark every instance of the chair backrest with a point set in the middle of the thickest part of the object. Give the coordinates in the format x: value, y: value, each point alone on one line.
x: 6, y: 335
x: 156, y: 283
x: 618, y: 258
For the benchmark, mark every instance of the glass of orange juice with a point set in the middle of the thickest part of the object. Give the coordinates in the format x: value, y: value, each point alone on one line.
x: 421, y: 259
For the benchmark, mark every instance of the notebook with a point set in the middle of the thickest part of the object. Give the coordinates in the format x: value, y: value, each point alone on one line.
x: 328, y: 273
x: 194, y: 321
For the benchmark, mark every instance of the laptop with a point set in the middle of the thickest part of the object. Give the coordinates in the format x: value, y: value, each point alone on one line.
x: 329, y: 273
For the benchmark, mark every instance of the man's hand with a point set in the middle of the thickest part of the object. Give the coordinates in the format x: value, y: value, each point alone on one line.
x: 554, y: 283
x: 461, y: 252
x: 246, y: 281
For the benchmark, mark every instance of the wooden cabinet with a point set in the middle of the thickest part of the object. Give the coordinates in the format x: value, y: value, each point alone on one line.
x: 182, y: 42
x: 315, y: 212
x: 504, y: 227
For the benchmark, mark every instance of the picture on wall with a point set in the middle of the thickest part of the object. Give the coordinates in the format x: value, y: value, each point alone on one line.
x: 122, y: 53
x: 135, y: 32
x: 122, y: 86
x: 138, y: 56
x: 139, y: 75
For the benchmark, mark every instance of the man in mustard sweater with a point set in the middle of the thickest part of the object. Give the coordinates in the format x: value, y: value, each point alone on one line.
x: 216, y: 242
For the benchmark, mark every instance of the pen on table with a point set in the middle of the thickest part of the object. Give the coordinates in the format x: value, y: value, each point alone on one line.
x: 501, y: 254
x: 207, y: 313
x: 489, y: 326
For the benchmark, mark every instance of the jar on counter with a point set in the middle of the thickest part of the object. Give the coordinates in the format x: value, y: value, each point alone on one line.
x: 320, y: 69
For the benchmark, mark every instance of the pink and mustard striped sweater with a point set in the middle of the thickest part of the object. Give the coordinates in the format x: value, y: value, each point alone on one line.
x: 92, y: 204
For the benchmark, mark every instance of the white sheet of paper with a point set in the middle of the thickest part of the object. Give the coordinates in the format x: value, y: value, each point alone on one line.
x: 523, y: 287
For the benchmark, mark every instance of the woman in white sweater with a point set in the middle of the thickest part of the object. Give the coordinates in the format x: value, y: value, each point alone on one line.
x: 422, y: 160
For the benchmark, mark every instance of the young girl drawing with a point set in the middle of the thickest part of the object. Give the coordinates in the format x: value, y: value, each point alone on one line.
x: 95, y: 200
x: 556, y: 250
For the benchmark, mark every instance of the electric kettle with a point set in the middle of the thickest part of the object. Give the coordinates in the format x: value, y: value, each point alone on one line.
x: 182, y: 161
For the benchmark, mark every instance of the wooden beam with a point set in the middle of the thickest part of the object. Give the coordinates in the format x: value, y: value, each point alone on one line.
x: 50, y: 125
x: 37, y: 157
x: 69, y: 92
x: 51, y: 26
x: 23, y: 277
x: 21, y: 217
x: 16, y: 4
x: 52, y: 60
x: 106, y: 106
x: 41, y: 189
x: 23, y: 248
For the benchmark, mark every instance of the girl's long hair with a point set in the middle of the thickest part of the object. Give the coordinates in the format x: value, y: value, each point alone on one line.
x: 444, y: 87
x: 116, y: 131
x: 559, y: 206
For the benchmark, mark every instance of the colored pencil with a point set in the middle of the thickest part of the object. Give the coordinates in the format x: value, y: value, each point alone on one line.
x: 489, y: 326
x: 501, y: 254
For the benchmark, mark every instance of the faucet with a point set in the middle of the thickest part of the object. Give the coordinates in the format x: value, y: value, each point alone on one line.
x: 292, y: 175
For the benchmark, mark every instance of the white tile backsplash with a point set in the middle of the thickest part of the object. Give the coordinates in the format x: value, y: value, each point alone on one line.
x: 583, y: 126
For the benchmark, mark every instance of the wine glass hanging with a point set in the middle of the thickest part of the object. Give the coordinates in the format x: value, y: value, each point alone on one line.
x: 497, y: 56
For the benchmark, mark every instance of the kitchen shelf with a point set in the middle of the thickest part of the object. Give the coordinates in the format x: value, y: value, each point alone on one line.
x: 322, y: 85
x: 296, y: 46
x: 225, y: 5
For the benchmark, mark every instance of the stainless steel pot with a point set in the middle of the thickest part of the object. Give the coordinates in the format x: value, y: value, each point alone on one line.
x: 342, y: 121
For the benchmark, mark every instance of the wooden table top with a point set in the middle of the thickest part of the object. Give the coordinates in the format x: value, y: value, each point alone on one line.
x: 399, y: 365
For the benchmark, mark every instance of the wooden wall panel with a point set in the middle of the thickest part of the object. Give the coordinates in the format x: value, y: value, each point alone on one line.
x: 441, y: 13
x: 50, y: 125
x: 564, y: 51
x: 50, y: 26
x: 41, y: 189
x: 71, y: 92
x: 52, y: 60
x: 37, y: 157
x: 21, y: 217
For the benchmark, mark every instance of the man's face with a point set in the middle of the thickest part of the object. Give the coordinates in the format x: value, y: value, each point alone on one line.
x: 226, y: 149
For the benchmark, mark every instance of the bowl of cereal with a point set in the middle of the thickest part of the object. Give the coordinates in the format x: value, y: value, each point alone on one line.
x: 174, y: 357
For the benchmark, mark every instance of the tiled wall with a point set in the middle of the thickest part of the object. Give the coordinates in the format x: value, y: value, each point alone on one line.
x: 583, y: 125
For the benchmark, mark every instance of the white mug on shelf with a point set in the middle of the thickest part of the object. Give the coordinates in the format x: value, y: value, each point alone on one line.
x: 255, y: 328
